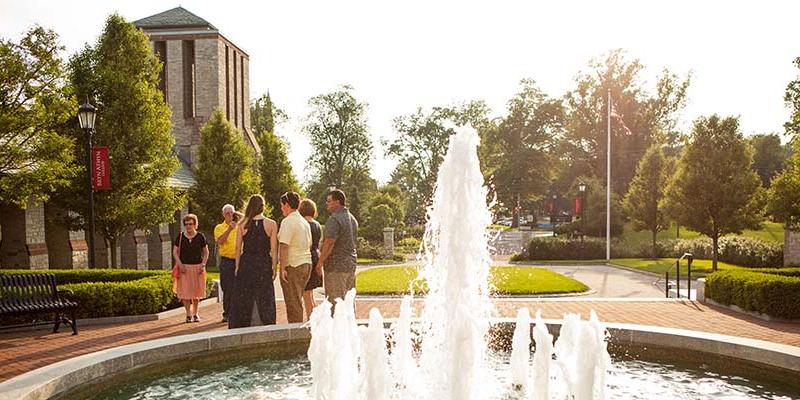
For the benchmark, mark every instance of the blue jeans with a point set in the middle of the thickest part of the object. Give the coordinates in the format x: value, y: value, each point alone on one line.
x: 227, y: 281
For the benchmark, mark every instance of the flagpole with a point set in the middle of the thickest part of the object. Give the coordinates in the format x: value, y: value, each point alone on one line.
x: 608, y: 179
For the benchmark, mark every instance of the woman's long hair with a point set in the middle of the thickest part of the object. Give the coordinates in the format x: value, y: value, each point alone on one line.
x: 255, y: 206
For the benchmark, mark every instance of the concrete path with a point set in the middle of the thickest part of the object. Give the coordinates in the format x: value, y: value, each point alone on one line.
x: 607, y: 281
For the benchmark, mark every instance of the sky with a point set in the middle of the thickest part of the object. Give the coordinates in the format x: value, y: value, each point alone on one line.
x: 406, y: 54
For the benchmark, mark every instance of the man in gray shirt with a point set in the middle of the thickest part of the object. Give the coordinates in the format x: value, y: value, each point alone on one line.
x: 338, y: 254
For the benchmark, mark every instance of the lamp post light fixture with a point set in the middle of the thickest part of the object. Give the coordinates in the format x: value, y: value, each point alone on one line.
x: 582, y: 190
x: 86, y: 117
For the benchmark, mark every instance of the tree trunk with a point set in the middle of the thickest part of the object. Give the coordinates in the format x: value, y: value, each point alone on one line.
x: 113, y: 243
x: 714, y: 240
x: 655, y: 252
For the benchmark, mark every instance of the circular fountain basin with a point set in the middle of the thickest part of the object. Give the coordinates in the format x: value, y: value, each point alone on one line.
x: 269, y: 362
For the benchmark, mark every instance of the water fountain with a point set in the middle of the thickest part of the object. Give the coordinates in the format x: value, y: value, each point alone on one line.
x: 451, y: 361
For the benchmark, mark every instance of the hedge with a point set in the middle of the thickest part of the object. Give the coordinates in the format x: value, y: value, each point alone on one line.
x: 774, y: 292
x: 65, y: 276
x: 112, y: 292
x: 743, y: 251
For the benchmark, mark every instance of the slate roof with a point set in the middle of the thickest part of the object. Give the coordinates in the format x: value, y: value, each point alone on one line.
x: 177, y: 17
x: 183, y: 178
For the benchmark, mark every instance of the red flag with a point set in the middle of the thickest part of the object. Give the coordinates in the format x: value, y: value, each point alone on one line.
x: 100, y: 174
x: 578, y: 206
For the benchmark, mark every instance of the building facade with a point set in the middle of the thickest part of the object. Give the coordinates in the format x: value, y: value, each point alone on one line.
x: 202, y: 71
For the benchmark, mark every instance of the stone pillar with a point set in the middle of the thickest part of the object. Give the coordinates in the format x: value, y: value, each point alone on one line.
x: 388, y: 240
x: 24, y: 245
x: 133, y: 246
x: 79, y: 249
x: 791, y: 248
x: 159, y: 247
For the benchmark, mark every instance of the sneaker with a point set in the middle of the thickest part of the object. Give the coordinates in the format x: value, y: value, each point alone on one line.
x: 188, y: 319
x: 196, y: 318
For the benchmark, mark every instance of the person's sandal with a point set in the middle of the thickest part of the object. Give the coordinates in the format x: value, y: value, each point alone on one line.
x: 188, y: 319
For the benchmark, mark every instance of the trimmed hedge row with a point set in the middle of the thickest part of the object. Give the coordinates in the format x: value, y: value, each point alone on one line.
x: 774, y: 292
x: 113, y: 292
x: 66, y: 276
x: 743, y: 251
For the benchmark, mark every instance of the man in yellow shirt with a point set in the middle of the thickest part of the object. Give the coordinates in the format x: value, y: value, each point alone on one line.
x: 225, y: 236
x: 294, y: 246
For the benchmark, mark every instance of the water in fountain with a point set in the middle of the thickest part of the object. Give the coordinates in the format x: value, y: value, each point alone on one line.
x: 451, y: 363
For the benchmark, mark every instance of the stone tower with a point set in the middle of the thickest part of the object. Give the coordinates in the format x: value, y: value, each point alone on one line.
x: 202, y: 71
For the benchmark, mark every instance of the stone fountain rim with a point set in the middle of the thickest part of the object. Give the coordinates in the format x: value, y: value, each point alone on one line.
x: 60, y: 377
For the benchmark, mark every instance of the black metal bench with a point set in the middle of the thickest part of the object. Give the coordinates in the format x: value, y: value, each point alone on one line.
x: 35, y: 294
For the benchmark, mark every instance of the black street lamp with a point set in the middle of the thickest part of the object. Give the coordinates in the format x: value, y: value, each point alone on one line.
x: 86, y: 116
x: 582, y: 190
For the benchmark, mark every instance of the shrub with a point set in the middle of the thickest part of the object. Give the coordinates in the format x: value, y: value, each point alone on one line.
x: 738, y: 250
x: 367, y: 249
x: 775, y: 292
x: 409, y: 244
x: 65, y: 276
x: 111, y: 292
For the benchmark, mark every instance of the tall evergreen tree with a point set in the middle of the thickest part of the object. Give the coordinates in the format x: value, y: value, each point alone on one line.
x: 35, y: 102
x: 714, y: 190
x: 275, y: 170
x: 646, y: 192
x: 121, y: 74
x: 224, y: 170
x: 274, y: 167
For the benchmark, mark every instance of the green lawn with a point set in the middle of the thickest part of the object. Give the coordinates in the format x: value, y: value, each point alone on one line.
x: 770, y: 232
x: 506, y: 280
x: 700, y: 268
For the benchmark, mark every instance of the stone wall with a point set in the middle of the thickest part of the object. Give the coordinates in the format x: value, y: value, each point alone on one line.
x: 791, y: 248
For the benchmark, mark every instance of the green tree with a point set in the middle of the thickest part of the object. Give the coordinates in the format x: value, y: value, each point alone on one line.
x: 769, y: 158
x: 714, y: 190
x: 649, y: 114
x: 121, y: 73
x: 594, y: 209
x: 646, y: 192
x: 341, y: 148
x: 224, y: 170
x: 274, y: 167
x: 419, y: 147
x: 517, y: 153
x: 264, y: 115
x: 36, y: 159
x: 275, y: 170
x: 384, y: 208
x: 784, y: 193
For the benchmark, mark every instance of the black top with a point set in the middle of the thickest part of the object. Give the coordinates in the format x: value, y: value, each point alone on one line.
x: 316, y: 234
x: 191, y: 250
x: 256, y: 242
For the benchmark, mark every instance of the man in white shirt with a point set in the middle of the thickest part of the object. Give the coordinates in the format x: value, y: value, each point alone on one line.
x: 295, y: 256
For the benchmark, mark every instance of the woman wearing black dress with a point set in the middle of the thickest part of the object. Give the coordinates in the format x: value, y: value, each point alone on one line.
x: 308, y: 209
x: 256, y: 258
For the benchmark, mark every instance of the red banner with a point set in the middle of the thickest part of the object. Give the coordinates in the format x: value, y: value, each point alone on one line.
x: 100, y: 173
x: 578, y: 206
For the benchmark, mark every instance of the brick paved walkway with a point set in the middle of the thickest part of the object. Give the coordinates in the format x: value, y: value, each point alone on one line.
x: 24, y: 351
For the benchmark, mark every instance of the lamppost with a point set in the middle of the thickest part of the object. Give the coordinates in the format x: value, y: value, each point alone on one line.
x: 554, y: 214
x: 582, y: 190
x: 86, y: 115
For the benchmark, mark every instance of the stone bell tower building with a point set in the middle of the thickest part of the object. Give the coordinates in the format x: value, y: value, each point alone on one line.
x: 202, y: 71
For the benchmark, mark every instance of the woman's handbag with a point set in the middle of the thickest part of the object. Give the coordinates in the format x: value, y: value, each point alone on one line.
x: 175, y: 269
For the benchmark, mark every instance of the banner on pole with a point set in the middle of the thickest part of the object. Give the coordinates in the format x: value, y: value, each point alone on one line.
x: 578, y: 206
x: 100, y: 172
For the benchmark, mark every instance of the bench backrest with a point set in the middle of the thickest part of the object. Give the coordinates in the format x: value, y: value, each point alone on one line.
x: 27, y: 289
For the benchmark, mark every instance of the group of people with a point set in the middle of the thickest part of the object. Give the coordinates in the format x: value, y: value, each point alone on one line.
x: 254, y: 251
